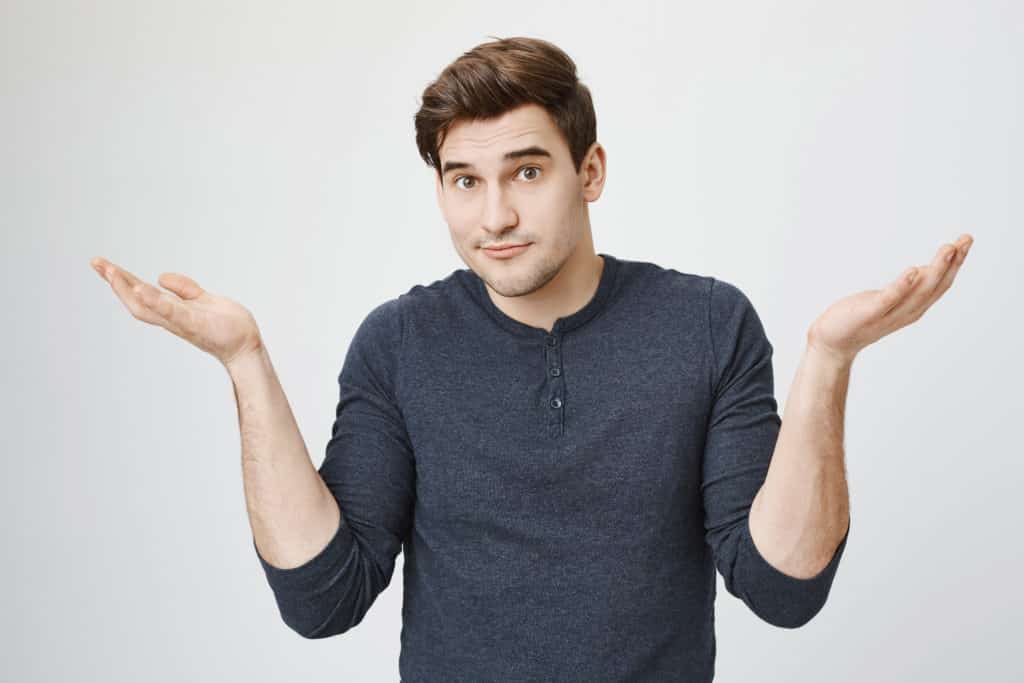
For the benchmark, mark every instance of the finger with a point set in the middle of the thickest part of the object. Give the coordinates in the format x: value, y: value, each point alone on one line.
x: 182, y: 285
x: 101, y: 266
x: 943, y: 264
x: 97, y: 265
x: 132, y: 301
x: 962, y: 246
x: 898, y: 290
x: 924, y: 287
x: 111, y: 269
x: 167, y: 306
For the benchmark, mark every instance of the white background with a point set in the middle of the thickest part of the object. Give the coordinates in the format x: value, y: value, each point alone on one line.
x: 800, y: 150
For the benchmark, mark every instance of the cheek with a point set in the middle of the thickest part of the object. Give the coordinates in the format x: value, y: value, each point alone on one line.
x: 461, y: 230
x: 456, y: 219
x: 554, y: 198
x: 457, y: 213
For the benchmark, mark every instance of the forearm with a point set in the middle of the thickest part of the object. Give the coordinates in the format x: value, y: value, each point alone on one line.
x: 801, y: 512
x: 291, y: 511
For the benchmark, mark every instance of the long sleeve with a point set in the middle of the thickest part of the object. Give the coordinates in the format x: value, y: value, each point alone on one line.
x: 743, y: 428
x: 369, y: 469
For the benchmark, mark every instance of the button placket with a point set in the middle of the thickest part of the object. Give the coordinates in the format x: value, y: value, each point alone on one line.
x: 556, y: 400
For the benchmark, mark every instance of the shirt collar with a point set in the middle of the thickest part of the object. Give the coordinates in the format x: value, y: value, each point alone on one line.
x: 597, y: 302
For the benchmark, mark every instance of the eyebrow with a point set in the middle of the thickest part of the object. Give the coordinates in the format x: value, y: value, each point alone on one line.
x: 532, y: 151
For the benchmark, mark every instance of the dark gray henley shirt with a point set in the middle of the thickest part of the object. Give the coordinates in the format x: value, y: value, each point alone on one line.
x: 562, y: 497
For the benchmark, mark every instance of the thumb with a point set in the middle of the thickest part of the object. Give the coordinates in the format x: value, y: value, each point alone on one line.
x: 182, y: 285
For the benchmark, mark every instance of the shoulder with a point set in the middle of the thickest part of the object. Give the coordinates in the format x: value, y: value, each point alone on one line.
x: 737, y: 334
x: 381, y: 327
x: 726, y: 299
x: 661, y: 283
x: 715, y: 301
x: 387, y: 320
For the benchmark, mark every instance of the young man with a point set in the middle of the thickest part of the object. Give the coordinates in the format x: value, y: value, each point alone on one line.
x: 565, y: 443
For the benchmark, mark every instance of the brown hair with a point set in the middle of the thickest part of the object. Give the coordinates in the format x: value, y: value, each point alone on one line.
x: 497, y: 76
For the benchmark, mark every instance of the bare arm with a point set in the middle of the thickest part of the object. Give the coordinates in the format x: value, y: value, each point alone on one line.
x: 801, y: 513
x: 291, y: 511
x: 324, y: 567
x: 747, y: 458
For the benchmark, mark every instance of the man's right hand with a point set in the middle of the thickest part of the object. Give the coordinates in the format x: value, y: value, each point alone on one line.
x: 221, y: 327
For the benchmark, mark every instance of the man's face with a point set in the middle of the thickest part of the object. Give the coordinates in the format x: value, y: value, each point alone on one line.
x: 533, y: 197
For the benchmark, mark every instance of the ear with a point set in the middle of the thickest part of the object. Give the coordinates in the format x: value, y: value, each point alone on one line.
x: 438, y: 190
x: 594, y: 171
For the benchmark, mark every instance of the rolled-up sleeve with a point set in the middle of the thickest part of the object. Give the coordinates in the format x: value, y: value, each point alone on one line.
x: 369, y: 469
x: 743, y: 428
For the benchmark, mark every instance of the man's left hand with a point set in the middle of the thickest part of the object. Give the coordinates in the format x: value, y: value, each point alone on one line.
x: 860, y: 319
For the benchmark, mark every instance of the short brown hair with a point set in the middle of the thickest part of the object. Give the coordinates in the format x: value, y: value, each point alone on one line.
x: 500, y: 75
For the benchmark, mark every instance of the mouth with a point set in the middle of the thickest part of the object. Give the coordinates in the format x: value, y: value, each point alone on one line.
x: 507, y: 246
x: 506, y: 250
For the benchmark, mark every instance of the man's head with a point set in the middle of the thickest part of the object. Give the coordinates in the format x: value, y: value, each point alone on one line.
x: 511, y: 134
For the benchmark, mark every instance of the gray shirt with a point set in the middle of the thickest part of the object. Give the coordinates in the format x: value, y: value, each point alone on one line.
x: 562, y: 497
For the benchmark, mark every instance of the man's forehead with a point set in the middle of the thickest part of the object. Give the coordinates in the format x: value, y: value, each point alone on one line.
x: 486, y: 139
x: 470, y: 142
x: 505, y: 145
x: 451, y: 164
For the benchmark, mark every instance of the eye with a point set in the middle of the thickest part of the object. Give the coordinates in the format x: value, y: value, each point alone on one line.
x: 469, y: 177
x: 535, y: 168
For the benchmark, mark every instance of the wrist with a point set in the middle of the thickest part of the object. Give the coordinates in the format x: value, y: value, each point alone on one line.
x: 828, y: 357
x: 248, y: 358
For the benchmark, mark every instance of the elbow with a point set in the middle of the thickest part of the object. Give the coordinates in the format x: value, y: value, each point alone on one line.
x: 340, y: 620
x: 776, y: 598
x: 786, y: 616
x: 332, y: 593
x: 783, y: 605
x: 336, y: 609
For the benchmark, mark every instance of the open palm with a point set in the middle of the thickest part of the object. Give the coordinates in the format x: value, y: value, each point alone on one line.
x: 215, y: 324
x: 860, y: 319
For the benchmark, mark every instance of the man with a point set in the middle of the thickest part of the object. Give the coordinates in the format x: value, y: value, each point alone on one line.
x: 564, y: 443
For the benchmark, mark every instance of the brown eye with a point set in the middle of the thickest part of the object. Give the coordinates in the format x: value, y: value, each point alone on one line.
x: 528, y: 168
x: 460, y: 178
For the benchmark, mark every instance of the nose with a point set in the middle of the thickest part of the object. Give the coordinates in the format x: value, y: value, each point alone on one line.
x: 498, y: 213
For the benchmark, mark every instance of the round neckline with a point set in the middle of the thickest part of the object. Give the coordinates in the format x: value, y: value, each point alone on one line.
x: 561, y: 325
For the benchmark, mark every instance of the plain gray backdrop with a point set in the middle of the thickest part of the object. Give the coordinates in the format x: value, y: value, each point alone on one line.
x: 801, y: 150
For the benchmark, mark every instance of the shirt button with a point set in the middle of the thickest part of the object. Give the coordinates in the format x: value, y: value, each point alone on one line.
x: 556, y: 402
x: 555, y: 372
x: 552, y: 341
